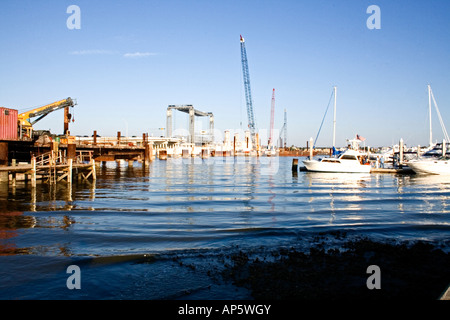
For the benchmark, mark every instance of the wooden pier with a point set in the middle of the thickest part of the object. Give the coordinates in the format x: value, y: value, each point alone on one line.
x: 51, y: 167
x: 52, y: 161
x: 405, y: 170
x: 120, y: 148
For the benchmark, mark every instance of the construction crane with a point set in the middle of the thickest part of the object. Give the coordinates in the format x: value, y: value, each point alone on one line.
x: 248, y: 93
x: 26, y: 125
x: 283, y: 131
x: 272, y: 115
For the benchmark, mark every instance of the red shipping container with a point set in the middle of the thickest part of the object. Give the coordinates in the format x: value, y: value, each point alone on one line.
x: 8, y: 124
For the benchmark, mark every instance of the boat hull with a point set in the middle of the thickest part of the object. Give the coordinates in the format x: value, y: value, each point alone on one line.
x: 319, y: 166
x: 430, y: 166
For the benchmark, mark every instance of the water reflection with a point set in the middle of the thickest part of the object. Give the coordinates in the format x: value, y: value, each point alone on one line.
x: 187, y: 203
x: 13, y: 224
x: 346, y: 179
x: 43, y: 197
x: 10, y: 223
x: 19, y: 205
x: 439, y: 181
x: 344, y: 191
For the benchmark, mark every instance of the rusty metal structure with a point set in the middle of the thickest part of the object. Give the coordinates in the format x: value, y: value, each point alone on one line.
x: 8, y: 124
x: 189, y: 109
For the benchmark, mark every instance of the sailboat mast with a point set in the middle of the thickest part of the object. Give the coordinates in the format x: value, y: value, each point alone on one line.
x: 429, y: 114
x: 334, y: 118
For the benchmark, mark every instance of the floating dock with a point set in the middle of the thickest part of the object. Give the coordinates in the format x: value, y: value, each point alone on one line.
x: 405, y: 170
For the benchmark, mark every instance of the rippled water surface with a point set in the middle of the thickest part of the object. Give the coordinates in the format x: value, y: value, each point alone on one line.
x: 196, y: 207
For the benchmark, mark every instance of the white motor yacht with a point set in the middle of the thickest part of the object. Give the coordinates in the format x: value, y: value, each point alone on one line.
x: 351, y: 161
x: 431, y: 166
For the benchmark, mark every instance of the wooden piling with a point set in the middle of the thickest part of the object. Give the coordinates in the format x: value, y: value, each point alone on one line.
x: 162, y: 154
x: 33, y: 172
x: 94, y: 173
x: 4, y: 176
x: 294, y: 165
x: 400, y: 160
x: 4, y: 153
x: 147, y: 154
x: 444, y: 147
x: 147, y: 149
x: 71, y: 151
x: 13, y: 174
x: 69, y: 176
x: 67, y: 172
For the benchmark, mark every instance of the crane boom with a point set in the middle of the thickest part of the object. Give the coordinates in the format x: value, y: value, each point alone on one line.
x: 24, y: 118
x: 45, y: 110
x: 248, y: 93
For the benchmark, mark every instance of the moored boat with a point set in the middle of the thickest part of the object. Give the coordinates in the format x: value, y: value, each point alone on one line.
x: 350, y: 161
x: 431, y: 166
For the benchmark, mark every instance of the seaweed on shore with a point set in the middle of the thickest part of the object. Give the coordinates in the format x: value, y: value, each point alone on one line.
x: 417, y: 270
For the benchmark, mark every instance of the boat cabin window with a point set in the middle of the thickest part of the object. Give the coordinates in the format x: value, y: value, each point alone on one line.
x: 331, y: 160
x: 348, y: 157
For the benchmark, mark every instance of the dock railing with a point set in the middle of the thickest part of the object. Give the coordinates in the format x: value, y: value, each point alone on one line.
x: 84, y: 156
x: 60, y: 157
x: 50, y: 158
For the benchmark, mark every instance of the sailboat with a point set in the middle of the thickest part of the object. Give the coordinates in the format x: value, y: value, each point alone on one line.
x: 435, y: 161
x: 350, y: 161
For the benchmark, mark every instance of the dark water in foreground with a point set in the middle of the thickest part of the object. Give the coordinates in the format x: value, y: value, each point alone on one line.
x: 156, y: 233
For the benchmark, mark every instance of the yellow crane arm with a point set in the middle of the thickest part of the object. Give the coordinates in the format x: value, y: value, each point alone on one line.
x: 43, y: 111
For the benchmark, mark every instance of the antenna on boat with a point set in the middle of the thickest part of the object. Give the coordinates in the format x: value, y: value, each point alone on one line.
x: 429, y: 114
x: 444, y: 130
x: 333, y: 93
x: 334, y: 119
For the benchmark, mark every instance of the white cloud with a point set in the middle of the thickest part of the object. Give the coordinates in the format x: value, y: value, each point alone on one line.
x: 91, y: 52
x: 139, y: 54
x: 109, y: 52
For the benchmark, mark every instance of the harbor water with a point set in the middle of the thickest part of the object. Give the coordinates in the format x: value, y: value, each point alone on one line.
x: 158, y: 232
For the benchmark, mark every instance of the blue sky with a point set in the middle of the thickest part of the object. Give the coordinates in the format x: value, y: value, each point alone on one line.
x: 131, y: 59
